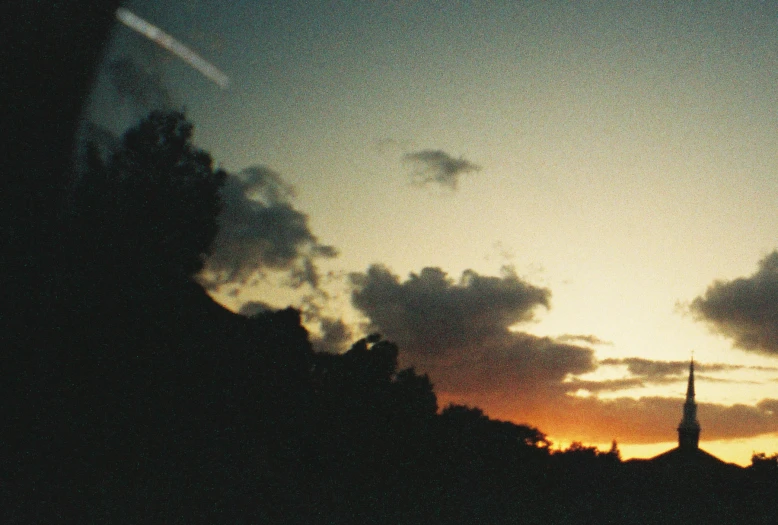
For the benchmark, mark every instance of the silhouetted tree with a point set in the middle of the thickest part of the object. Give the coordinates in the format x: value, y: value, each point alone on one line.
x: 762, y: 462
x: 153, y: 205
x: 464, y: 415
x: 764, y: 466
x: 473, y: 421
x: 414, y: 395
x: 614, y: 453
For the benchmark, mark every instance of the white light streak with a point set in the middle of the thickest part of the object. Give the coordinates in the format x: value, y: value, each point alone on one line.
x: 155, y: 34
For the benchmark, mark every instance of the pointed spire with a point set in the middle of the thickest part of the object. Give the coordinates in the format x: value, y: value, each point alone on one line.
x: 689, y: 429
x: 690, y: 386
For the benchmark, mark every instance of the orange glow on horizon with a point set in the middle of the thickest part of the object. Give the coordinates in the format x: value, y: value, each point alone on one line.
x: 738, y: 450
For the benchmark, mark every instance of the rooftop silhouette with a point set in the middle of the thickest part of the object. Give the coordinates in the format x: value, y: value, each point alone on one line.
x: 688, y: 456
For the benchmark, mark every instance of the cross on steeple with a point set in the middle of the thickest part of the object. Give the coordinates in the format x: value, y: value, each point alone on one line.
x: 689, y: 429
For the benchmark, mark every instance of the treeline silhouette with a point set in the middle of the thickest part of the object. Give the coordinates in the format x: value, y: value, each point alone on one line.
x: 141, y: 400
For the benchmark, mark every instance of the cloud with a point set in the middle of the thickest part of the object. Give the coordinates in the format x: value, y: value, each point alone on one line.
x: 653, y: 419
x: 462, y: 333
x: 458, y: 330
x: 649, y: 369
x: 335, y: 336
x: 431, y: 313
x: 589, y: 339
x: 608, y: 385
x: 669, y: 371
x: 745, y: 309
x: 252, y: 308
x: 522, y: 364
x: 259, y: 229
x: 438, y: 167
x: 712, y: 379
x: 138, y: 85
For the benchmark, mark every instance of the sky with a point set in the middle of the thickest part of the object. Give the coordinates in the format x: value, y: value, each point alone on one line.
x: 548, y: 205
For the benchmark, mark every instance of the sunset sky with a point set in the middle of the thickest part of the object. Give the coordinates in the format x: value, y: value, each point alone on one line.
x: 547, y: 205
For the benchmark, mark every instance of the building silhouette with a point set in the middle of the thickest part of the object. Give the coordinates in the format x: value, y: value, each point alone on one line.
x: 688, y: 456
x: 689, y: 429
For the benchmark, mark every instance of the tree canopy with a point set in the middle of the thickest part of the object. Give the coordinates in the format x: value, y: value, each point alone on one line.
x: 153, y: 204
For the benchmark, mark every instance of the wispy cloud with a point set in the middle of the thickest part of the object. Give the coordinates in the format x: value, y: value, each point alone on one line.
x: 438, y: 167
x: 589, y: 339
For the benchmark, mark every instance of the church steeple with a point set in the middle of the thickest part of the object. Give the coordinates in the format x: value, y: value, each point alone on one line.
x: 689, y: 429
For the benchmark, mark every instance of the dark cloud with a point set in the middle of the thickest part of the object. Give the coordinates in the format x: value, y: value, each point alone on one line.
x: 260, y: 230
x: 745, y: 309
x: 712, y: 379
x: 650, y: 369
x: 519, y: 363
x: 438, y: 167
x: 608, y: 385
x: 253, y: 308
x: 657, y: 371
x: 335, y: 336
x: 589, y: 339
x: 304, y: 273
x: 631, y: 382
x: 458, y: 331
x: 138, y: 85
x: 431, y: 313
